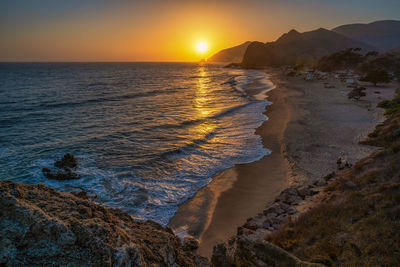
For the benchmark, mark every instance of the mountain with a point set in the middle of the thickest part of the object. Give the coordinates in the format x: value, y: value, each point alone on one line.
x: 384, y: 35
x: 233, y: 54
x: 298, y: 48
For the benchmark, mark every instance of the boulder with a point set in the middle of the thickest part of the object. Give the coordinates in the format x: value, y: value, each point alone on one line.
x: 304, y: 191
x: 274, y: 208
x: 190, y: 243
x: 252, y: 225
x: 67, y: 161
x: 62, y: 170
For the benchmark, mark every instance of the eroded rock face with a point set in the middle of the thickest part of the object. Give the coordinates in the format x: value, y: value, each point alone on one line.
x: 40, y: 226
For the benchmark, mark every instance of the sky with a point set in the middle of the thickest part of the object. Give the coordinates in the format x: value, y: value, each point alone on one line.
x: 164, y: 30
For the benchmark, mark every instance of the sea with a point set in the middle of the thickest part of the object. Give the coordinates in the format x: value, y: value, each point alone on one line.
x: 147, y: 136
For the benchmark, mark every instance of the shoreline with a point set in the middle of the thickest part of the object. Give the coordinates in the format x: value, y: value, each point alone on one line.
x: 215, y: 211
x: 308, y: 128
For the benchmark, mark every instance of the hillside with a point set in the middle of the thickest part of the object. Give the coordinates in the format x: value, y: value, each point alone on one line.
x: 298, y: 48
x: 384, y: 35
x: 233, y: 54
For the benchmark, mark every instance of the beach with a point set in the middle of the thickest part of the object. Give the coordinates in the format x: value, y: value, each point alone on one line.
x: 309, y: 127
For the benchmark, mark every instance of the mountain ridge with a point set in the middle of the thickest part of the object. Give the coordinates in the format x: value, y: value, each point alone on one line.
x: 298, y: 48
x: 382, y: 34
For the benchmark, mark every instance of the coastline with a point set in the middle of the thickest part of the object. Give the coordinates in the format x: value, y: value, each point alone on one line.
x: 235, y: 194
x: 308, y: 128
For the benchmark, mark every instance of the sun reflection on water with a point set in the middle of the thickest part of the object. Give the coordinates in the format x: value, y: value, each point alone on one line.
x: 202, y: 107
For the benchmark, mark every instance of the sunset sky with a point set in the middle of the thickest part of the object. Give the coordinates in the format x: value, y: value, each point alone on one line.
x: 122, y: 30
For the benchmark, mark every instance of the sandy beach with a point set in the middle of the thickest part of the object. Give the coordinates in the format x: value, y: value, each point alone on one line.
x: 308, y: 128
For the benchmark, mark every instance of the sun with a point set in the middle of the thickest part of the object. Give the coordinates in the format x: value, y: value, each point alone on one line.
x: 201, y: 47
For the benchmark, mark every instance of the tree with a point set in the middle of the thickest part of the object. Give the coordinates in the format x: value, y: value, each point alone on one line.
x: 377, y: 76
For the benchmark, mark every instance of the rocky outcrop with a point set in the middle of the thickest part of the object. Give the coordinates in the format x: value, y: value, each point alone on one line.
x: 40, y: 226
x: 62, y: 170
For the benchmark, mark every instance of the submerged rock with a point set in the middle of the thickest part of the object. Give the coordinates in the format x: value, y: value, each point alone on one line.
x: 40, y: 226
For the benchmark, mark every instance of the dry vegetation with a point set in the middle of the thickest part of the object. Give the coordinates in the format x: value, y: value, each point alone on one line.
x: 359, y: 223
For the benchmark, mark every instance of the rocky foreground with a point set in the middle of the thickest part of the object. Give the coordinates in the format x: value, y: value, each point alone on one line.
x: 40, y: 226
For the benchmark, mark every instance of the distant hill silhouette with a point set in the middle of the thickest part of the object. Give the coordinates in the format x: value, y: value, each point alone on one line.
x: 298, y: 48
x: 384, y: 35
x: 233, y: 54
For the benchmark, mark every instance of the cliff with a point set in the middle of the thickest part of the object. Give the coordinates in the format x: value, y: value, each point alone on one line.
x: 40, y: 226
x: 298, y: 48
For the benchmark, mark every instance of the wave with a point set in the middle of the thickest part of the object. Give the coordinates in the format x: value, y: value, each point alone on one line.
x: 199, y: 121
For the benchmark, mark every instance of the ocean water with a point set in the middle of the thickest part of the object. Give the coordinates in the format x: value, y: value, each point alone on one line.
x: 147, y: 135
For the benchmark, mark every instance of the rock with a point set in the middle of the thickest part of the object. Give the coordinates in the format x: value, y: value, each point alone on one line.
x: 84, y: 195
x: 271, y: 215
x: 274, y: 208
x: 266, y: 224
x: 320, y: 182
x: 304, y: 191
x: 291, y: 191
x: 40, y: 226
x: 190, y: 243
x: 60, y: 174
x: 219, y: 257
x: 239, y: 230
x: 249, y: 252
x: 289, y: 196
x: 67, y: 161
x: 251, y: 224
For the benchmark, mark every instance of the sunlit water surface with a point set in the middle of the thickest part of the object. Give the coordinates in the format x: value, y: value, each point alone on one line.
x: 147, y: 135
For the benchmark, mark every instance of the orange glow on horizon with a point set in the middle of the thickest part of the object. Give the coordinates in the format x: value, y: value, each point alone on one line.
x: 149, y: 30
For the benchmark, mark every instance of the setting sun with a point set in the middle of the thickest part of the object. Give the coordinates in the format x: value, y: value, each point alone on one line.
x: 202, y: 47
